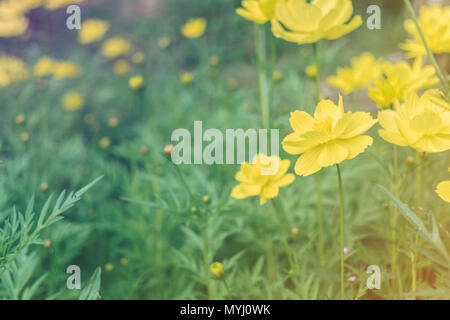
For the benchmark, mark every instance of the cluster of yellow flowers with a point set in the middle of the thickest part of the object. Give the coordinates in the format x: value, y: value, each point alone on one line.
x: 434, y: 21
x: 12, y: 70
x: 401, y: 80
x: 302, y: 21
x: 13, y: 21
x: 59, y: 69
x: 420, y: 123
x: 364, y: 71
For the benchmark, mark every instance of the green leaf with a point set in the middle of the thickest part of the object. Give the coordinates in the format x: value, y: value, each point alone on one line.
x: 92, y: 290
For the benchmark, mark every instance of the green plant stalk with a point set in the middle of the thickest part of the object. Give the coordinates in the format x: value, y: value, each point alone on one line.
x: 395, y: 213
x: 206, y: 259
x: 273, y: 57
x: 284, y: 238
x: 322, y: 258
x: 442, y: 78
x: 419, y: 197
x: 260, y: 45
x: 341, y: 229
x: 316, y: 61
x: 183, y: 181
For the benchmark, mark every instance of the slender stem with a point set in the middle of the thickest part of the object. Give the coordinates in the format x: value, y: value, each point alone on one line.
x: 273, y: 57
x: 395, y: 213
x: 444, y: 81
x: 319, y: 175
x: 341, y: 223
x: 419, y: 197
x: 206, y: 258
x: 260, y: 44
x: 320, y: 219
x: 283, y: 233
x: 183, y: 181
x: 316, y: 61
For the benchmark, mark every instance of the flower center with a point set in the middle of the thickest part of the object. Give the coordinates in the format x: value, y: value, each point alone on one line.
x: 323, y: 125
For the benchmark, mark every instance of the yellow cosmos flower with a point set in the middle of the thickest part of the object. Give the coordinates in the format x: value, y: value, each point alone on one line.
x: 136, y: 83
x: 259, y: 11
x: 434, y: 21
x: 92, y: 30
x: 217, y: 269
x: 400, y: 81
x: 104, y: 143
x: 364, y: 71
x: 258, y: 178
x: 329, y: 138
x: 12, y: 26
x: 12, y: 70
x: 311, y: 71
x: 73, y: 101
x: 302, y: 22
x: 56, y: 4
x: 186, y: 78
x: 418, y: 123
x: 44, y: 67
x: 443, y: 190
x: 121, y: 67
x: 116, y: 47
x: 194, y: 28
x: 64, y: 69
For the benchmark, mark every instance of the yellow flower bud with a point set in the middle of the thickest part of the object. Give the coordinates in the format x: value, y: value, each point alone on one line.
x: 20, y: 119
x: 217, y: 270
x: 294, y: 233
x: 109, y: 267
x: 44, y: 186
x: 136, y: 83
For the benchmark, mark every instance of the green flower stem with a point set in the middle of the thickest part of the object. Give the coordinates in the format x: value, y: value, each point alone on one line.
x: 442, y: 78
x: 319, y: 175
x: 395, y: 213
x: 183, y: 181
x: 273, y: 57
x: 419, y: 197
x: 341, y: 223
x: 316, y: 61
x: 260, y: 44
x: 278, y: 210
x: 206, y: 258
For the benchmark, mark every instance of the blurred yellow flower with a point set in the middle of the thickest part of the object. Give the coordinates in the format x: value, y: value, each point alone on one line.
x: 12, y: 70
x: 254, y: 181
x: 64, y: 69
x: 329, y: 138
x: 434, y: 21
x: 217, y: 270
x: 311, y: 71
x: 73, y: 101
x: 104, y: 143
x: 277, y: 76
x: 115, y: 47
x: 12, y: 26
x: 56, y: 4
x: 259, y: 11
x: 113, y: 122
x: 121, y: 67
x: 164, y: 42
x: 194, y: 28
x: 92, y: 30
x: 186, y: 78
x: 136, y: 83
x: 418, y: 123
x: 138, y: 57
x: 443, y: 190
x: 364, y: 71
x: 400, y: 81
x: 43, y: 67
x: 302, y: 22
